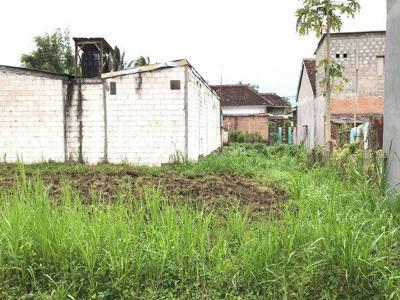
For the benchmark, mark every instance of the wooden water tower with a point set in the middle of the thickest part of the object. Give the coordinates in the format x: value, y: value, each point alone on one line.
x: 92, y: 57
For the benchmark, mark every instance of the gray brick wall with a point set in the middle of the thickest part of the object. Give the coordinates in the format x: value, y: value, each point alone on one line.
x: 365, y: 51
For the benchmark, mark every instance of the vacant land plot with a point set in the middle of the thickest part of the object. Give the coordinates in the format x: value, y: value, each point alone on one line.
x: 248, y: 222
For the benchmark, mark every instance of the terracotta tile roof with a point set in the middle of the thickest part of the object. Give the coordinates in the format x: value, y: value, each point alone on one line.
x: 275, y: 100
x: 310, y: 66
x: 239, y: 95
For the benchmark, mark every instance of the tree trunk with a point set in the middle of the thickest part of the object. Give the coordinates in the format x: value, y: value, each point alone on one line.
x: 328, y: 87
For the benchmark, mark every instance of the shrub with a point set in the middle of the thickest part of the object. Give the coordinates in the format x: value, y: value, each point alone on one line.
x: 236, y: 136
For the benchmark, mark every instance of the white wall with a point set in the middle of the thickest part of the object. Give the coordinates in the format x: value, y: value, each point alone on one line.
x: 31, y: 116
x: 90, y: 116
x: 145, y: 125
x: 306, y: 113
x: 244, y: 110
x: 204, y: 118
x: 310, y: 113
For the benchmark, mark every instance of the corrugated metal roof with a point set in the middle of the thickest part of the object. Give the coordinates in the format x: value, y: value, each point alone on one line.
x: 149, y: 68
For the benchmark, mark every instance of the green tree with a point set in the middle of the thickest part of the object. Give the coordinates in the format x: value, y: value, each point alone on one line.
x: 53, y: 53
x: 323, y: 17
x: 142, y: 61
x: 251, y: 86
x: 118, y: 60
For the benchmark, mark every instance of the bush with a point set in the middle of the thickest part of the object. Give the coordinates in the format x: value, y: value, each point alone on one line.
x: 236, y: 136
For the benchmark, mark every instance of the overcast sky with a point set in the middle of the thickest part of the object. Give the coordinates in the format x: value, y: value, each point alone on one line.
x: 252, y: 41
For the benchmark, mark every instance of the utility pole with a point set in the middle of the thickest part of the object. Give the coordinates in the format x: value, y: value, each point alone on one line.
x: 392, y: 95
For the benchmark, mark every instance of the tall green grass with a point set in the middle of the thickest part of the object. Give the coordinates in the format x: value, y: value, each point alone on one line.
x: 336, y: 238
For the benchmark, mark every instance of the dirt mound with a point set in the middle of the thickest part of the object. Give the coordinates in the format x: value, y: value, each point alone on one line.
x: 213, y: 191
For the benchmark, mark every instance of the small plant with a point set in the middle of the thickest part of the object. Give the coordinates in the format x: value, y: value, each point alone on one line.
x: 344, y: 134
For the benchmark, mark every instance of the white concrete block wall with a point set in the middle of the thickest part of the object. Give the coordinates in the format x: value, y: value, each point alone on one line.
x: 204, y: 118
x: 92, y: 122
x: 146, y: 125
x: 31, y: 117
x: 72, y: 124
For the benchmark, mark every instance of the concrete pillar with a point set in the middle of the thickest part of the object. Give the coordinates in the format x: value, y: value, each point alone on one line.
x: 392, y: 93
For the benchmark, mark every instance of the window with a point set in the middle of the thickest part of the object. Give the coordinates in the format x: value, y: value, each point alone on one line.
x: 113, y: 88
x: 380, y: 65
x: 175, y: 84
x: 344, y: 55
x: 337, y: 55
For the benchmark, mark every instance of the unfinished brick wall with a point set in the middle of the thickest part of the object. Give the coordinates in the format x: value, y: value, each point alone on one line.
x: 362, y: 55
x: 362, y: 105
x: 362, y: 64
x: 248, y: 124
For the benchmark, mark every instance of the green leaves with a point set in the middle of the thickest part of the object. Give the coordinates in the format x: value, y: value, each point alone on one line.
x: 313, y: 16
x: 336, y: 74
x: 118, y: 61
x: 53, y: 53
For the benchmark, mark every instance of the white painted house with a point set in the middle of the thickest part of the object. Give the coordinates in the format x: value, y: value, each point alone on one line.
x: 144, y: 116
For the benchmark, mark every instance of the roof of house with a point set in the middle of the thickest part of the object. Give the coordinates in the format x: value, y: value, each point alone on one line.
x: 89, y: 41
x: 275, y: 100
x: 311, y: 68
x: 308, y: 65
x: 355, y: 33
x: 239, y: 95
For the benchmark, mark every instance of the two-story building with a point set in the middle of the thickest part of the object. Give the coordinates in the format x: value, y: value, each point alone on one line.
x: 362, y: 55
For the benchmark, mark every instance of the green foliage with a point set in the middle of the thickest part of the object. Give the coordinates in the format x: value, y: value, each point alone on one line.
x: 337, y: 79
x: 141, y: 61
x: 337, y: 236
x: 252, y: 86
x: 312, y: 17
x: 344, y: 134
x: 118, y: 60
x: 236, y: 136
x: 53, y: 53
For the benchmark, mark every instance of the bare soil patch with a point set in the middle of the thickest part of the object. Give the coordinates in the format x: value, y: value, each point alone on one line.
x: 212, y: 191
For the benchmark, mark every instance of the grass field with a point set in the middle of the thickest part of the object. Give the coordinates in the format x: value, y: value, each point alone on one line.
x: 251, y: 222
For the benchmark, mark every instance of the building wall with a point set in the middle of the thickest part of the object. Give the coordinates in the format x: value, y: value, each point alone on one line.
x: 31, y: 116
x: 146, y: 125
x: 277, y: 110
x: 85, y: 122
x: 48, y: 118
x: 306, y: 117
x: 248, y: 124
x: 392, y: 93
x: 244, y: 110
x: 204, y: 124
x: 364, y: 68
x: 320, y: 107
